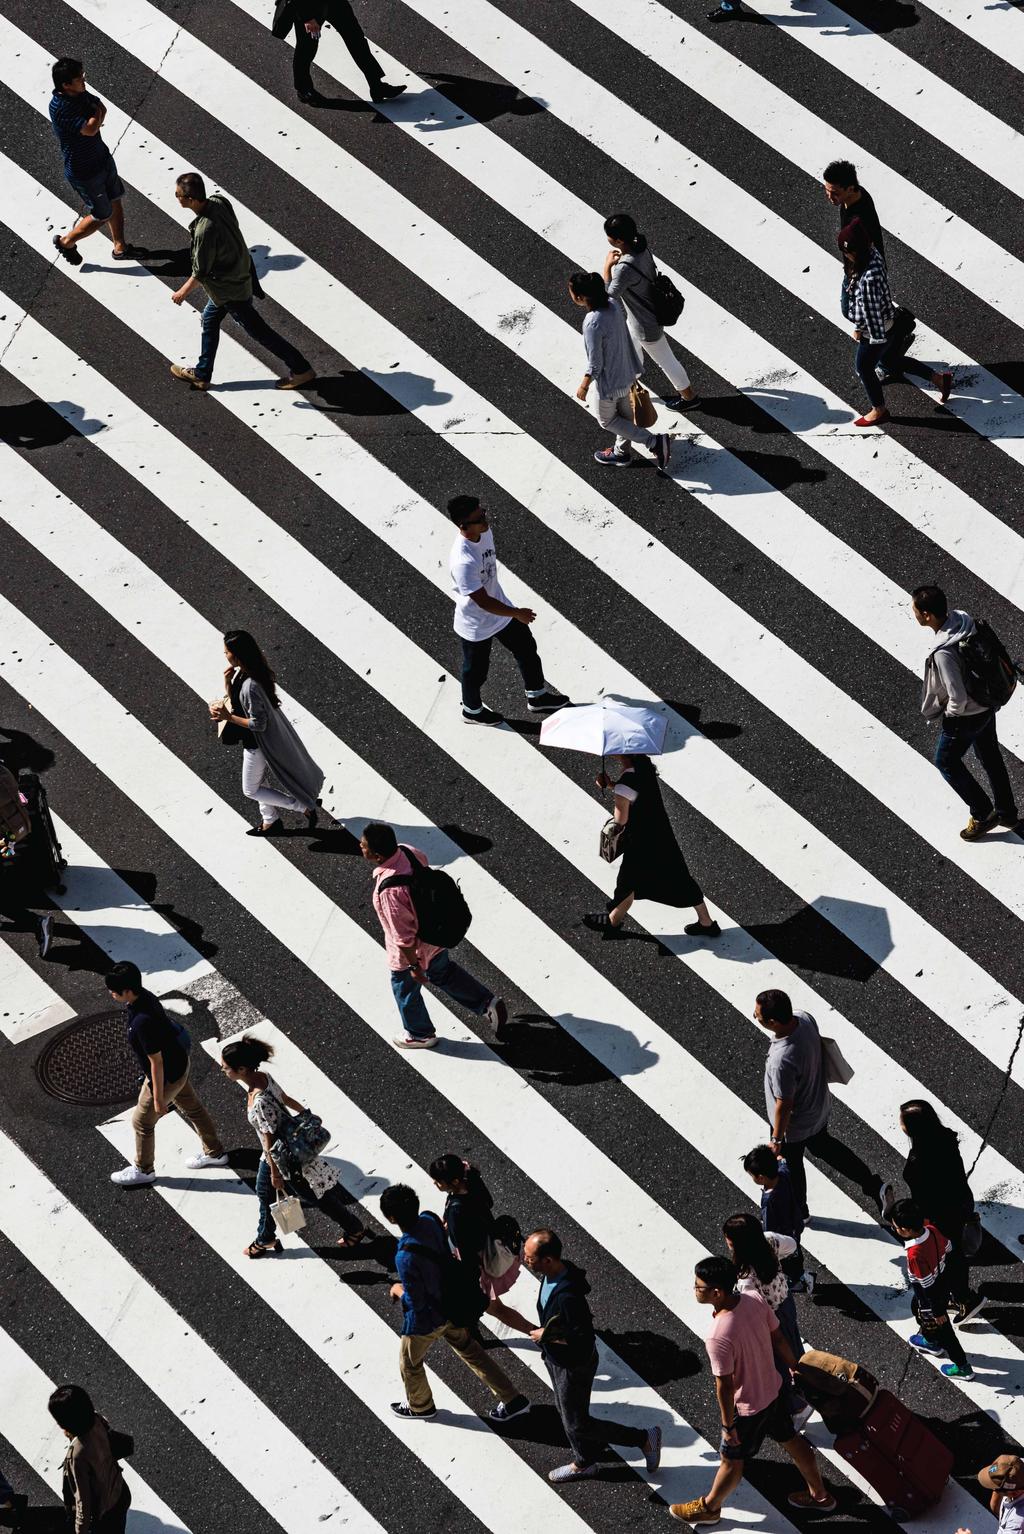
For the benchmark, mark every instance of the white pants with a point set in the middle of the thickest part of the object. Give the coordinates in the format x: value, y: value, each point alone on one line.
x: 617, y: 415
x: 254, y: 772
x: 660, y: 352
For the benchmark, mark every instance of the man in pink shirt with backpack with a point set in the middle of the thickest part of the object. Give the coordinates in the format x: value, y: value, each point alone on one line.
x: 413, y: 961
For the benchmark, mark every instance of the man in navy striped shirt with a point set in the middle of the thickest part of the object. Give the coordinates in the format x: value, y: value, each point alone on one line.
x: 77, y: 117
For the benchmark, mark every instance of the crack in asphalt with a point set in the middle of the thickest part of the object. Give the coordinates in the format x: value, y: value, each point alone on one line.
x: 1001, y: 1096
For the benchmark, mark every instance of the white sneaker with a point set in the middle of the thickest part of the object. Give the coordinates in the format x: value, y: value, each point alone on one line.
x: 132, y: 1177
x: 410, y: 1043
x: 497, y: 1012
x: 196, y: 1163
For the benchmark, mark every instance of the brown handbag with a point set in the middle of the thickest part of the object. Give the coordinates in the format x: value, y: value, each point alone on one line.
x: 644, y: 413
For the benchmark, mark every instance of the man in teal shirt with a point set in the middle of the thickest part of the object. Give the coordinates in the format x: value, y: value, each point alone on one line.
x: 221, y: 264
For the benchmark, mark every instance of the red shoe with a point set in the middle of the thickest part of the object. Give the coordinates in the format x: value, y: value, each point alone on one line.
x: 945, y: 387
x: 862, y: 420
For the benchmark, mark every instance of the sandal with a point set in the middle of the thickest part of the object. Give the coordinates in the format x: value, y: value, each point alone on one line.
x: 255, y: 1250
x: 355, y: 1238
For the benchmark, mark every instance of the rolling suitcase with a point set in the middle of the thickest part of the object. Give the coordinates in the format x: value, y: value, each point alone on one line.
x: 897, y: 1455
x: 840, y: 1391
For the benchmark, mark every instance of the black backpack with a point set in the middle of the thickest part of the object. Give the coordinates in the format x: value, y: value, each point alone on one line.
x: 463, y: 1301
x: 442, y: 915
x: 666, y: 300
x: 990, y: 676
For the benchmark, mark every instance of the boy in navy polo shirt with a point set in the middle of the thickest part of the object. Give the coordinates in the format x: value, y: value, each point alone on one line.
x: 77, y: 117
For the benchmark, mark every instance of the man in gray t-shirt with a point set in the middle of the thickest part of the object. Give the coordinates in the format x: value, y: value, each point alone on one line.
x: 798, y: 1100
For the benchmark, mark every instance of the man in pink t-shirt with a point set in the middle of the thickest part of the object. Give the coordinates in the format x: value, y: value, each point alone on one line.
x: 414, y: 963
x: 742, y: 1345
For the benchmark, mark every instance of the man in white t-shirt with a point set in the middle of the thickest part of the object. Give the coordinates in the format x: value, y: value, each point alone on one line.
x: 484, y: 613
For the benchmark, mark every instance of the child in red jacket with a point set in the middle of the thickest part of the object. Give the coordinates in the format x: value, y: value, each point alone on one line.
x: 926, y: 1249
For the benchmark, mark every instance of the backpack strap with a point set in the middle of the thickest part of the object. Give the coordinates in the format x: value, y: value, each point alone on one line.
x: 402, y: 881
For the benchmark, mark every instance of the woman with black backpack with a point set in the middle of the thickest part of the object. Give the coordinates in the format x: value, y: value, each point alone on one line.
x: 631, y: 276
x: 934, y: 1173
x: 267, y: 1107
x: 474, y: 1235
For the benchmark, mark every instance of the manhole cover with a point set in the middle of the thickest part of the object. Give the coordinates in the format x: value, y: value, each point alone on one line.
x: 89, y: 1062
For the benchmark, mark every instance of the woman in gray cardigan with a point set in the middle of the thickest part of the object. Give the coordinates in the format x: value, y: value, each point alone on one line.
x: 629, y: 273
x: 270, y: 743
x: 613, y: 366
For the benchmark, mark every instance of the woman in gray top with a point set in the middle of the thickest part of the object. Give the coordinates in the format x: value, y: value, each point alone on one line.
x: 613, y: 366
x: 629, y: 273
x: 269, y: 740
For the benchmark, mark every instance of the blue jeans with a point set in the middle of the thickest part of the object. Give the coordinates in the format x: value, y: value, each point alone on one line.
x: 956, y: 738
x: 333, y: 1204
x: 450, y: 978
x: 254, y: 325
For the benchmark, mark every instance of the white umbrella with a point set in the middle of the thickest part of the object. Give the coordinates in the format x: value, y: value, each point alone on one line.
x: 608, y: 728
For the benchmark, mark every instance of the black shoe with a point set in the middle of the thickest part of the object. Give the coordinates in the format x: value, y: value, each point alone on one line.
x: 310, y: 98
x: 724, y: 13
x: 1009, y: 822
x: 546, y: 702
x: 696, y: 929
x: 312, y: 816
x: 275, y: 828
x: 69, y: 253
x: 386, y: 92
x: 676, y: 402
x: 506, y: 1410
x: 10, y: 1516
x: 966, y: 1310
x: 130, y: 253
x: 400, y: 1409
x: 600, y: 921
x: 483, y: 716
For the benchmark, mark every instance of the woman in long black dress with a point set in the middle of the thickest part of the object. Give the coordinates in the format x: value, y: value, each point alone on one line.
x: 652, y: 867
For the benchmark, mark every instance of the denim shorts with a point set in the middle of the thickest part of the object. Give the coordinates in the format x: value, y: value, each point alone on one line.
x: 99, y: 191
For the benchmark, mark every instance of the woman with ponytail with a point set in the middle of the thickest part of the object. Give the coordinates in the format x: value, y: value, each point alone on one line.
x: 267, y: 1104
x: 252, y: 711
x: 613, y: 367
x: 471, y: 1227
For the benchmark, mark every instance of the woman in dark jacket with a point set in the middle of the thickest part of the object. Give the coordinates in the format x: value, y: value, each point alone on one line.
x: 629, y: 274
x: 270, y: 744
x: 469, y: 1223
x: 95, y: 1493
x: 652, y: 867
x: 934, y: 1173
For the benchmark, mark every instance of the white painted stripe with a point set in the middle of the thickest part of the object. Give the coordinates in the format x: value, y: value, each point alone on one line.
x: 717, y: 479
x: 912, y: 951
x: 28, y: 1006
x: 521, y: 1122
x: 30, y: 1429
x: 157, y: 1345
x: 860, y: 905
x: 725, y: 485
x: 799, y: 264
x: 513, y: 937
x: 860, y: 744
x: 954, y: 119
x: 995, y: 24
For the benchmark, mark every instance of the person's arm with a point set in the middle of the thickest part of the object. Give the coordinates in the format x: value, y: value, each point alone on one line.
x: 501, y: 609
x: 413, y: 1288
x: 188, y: 286
x: 275, y: 1174
x: 593, y: 343
x: 780, y: 1123
x: 947, y: 663
x: 782, y: 1349
x: 611, y: 261
x: 877, y: 306
x: 156, y: 1077
x: 93, y: 124
x: 726, y: 1395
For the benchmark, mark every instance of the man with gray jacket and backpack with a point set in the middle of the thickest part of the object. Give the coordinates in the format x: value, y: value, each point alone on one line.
x: 967, y: 677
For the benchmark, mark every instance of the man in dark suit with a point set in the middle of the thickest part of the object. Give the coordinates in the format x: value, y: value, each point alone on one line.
x: 308, y: 17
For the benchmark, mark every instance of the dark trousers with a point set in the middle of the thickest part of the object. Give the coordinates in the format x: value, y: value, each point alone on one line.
x: 114, y: 1521
x: 339, y: 14
x: 244, y: 311
x: 956, y: 738
x: 837, y: 1155
x: 891, y: 357
x: 333, y: 1204
x: 588, y: 1439
x: 476, y: 661
x: 942, y: 1336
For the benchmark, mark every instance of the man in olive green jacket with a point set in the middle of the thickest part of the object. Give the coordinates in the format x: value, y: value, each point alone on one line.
x: 221, y: 264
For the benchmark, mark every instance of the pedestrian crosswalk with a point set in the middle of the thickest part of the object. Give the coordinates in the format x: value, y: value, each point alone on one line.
x: 760, y: 595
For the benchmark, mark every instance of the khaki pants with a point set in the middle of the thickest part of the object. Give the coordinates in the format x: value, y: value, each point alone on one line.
x: 182, y: 1094
x: 414, y: 1377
